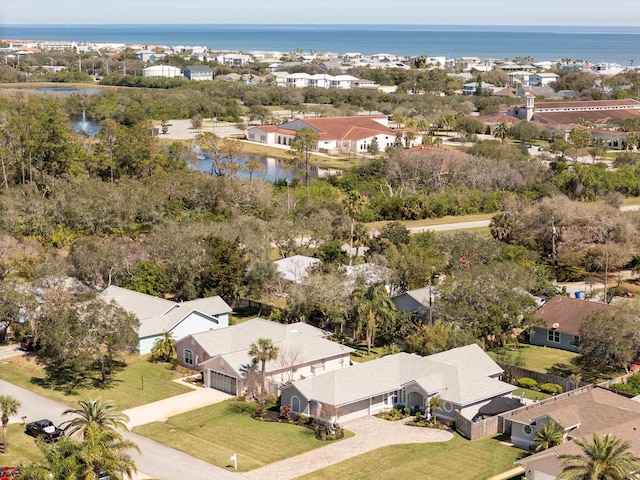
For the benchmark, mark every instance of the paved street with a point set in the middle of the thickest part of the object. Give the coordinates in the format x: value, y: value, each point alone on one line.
x: 156, y: 460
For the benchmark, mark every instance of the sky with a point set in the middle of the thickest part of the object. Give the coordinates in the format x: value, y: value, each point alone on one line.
x: 417, y: 12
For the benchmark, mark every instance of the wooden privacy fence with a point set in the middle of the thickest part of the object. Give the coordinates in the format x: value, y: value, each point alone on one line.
x: 516, y: 372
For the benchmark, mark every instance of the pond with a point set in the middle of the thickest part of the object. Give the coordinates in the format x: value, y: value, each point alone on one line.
x: 68, y: 90
x: 273, y: 168
x: 82, y: 124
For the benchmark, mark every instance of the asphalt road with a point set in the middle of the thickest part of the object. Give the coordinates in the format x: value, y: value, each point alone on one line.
x: 156, y: 460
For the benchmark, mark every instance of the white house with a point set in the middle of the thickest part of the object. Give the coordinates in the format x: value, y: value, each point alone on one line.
x: 606, y: 68
x: 296, y: 268
x: 161, y: 71
x: 465, y: 378
x: 353, y: 134
x: 223, y: 355
x: 542, y: 79
x: 158, y: 315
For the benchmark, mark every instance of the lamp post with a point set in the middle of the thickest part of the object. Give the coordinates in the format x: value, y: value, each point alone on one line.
x: 288, y: 196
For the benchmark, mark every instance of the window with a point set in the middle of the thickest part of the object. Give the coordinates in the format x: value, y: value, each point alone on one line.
x: 188, y: 357
x: 554, y: 336
x: 576, y: 340
x: 527, y: 430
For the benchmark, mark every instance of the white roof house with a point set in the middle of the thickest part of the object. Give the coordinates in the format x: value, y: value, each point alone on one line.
x: 223, y: 355
x: 158, y: 315
x: 161, y: 71
x: 464, y: 377
x: 296, y: 268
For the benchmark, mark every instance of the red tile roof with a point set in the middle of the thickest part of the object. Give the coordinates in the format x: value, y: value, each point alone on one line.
x: 568, y: 313
x: 348, y: 128
x: 587, y: 104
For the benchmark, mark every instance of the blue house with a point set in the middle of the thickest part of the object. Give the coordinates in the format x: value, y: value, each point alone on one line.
x: 559, y: 321
x: 198, y: 72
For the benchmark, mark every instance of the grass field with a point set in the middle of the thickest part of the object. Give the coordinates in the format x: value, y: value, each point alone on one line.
x: 125, y: 389
x: 215, y: 433
x: 22, y: 447
x: 530, y: 394
x: 538, y: 359
x: 455, y: 459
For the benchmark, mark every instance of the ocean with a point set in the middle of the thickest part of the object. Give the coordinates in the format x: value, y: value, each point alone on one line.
x: 595, y: 44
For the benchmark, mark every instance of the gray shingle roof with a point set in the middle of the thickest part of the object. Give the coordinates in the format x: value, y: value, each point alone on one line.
x: 460, y: 375
x: 233, y: 343
x: 158, y: 315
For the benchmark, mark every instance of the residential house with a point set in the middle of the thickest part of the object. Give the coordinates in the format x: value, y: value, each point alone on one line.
x: 416, y: 301
x: 559, y: 321
x: 542, y: 79
x: 606, y: 68
x: 352, y: 135
x: 234, y: 60
x: 579, y: 414
x: 224, y: 357
x: 158, y: 315
x: 161, y: 71
x: 324, y: 80
x: 465, y: 378
x: 469, y: 89
x: 296, y: 268
x: 148, y: 56
x: 198, y: 72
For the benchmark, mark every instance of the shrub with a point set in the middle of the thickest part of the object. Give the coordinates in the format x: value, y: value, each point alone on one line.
x: 407, y: 411
x: 624, y: 387
x: 552, y: 388
x: 526, y: 382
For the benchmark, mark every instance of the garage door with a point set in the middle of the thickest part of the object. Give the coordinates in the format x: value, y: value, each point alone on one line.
x: 222, y: 382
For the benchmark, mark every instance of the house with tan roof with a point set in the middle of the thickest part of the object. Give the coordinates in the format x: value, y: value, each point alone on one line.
x: 223, y: 355
x: 559, y: 321
x: 465, y: 378
x: 158, y: 315
x: 352, y: 134
x: 579, y: 414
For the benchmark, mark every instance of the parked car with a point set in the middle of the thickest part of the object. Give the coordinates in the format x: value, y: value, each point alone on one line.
x: 44, y: 429
x: 29, y: 343
x: 8, y: 473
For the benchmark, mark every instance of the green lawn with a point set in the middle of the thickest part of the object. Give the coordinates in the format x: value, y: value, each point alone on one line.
x: 538, y: 359
x: 125, y: 389
x: 216, y: 432
x: 361, y: 355
x: 455, y: 459
x: 530, y: 394
x: 22, y: 447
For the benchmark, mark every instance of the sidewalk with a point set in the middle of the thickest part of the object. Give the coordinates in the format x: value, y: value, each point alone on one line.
x: 163, y: 409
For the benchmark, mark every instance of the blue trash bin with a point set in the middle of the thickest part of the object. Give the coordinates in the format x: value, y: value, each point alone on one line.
x: 578, y: 295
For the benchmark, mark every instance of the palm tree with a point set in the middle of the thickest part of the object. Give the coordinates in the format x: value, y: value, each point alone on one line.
x: 373, y: 309
x: 606, y: 458
x: 353, y: 203
x: 501, y: 226
x: 8, y: 407
x: 101, y: 452
x: 164, y: 348
x: 262, y: 352
x: 551, y: 435
x: 501, y: 131
x: 435, y: 403
x: 94, y: 412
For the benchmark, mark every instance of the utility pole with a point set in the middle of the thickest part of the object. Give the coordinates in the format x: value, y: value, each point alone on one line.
x: 431, y: 296
x: 606, y: 274
x: 554, y: 236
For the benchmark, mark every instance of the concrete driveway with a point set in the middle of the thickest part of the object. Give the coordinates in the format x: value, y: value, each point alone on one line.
x: 370, y: 433
x: 8, y: 351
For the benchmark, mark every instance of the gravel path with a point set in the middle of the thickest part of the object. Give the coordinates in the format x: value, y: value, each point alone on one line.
x: 370, y: 433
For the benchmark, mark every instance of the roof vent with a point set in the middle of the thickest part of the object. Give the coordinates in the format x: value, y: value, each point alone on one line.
x: 556, y: 325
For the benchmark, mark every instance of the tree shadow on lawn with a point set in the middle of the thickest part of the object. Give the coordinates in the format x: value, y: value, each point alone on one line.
x: 69, y: 380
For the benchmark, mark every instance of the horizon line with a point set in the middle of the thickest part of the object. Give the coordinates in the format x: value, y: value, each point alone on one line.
x: 511, y: 24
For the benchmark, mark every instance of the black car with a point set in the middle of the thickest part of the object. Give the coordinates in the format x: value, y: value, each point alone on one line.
x: 44, y: 429
x: 29, y: 343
